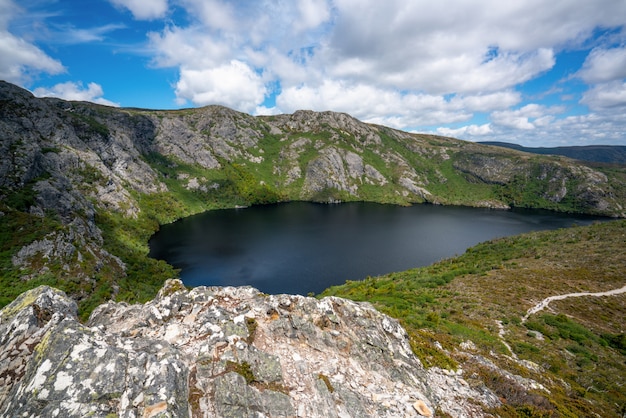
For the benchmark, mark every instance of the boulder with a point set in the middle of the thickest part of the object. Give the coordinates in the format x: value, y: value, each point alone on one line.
x: 211, y: 351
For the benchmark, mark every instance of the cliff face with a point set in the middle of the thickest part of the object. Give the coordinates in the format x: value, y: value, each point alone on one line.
x: 86, y: 185
x: 227, y: 352
x: 83, y: 186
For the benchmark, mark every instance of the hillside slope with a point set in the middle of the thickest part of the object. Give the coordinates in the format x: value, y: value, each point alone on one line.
x: 610, y: 154
x: 86, y: 185
x: 485, y: 313
x: 82, y: 188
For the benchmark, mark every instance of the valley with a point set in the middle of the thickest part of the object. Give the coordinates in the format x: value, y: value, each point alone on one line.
x: 84, y: 186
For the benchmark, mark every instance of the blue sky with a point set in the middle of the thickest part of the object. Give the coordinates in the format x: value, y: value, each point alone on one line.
x: 532, y: 72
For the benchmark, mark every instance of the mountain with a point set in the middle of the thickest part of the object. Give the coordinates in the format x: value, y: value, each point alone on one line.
x: 84, y: 186
x: 495, y: 332
x: 536, y: 318
x: 610, y: 154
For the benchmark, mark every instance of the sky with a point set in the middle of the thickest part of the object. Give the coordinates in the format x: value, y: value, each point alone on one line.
x: 539, y: 73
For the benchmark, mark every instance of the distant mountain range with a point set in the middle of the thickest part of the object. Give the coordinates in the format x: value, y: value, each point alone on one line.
x: 595, y: 153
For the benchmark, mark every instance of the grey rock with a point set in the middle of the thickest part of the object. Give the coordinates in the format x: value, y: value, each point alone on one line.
x: 227, y: 352
x: 72, y: 161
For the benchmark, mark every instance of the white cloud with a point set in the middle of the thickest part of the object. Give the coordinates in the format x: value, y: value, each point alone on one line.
x: 591, y: 129
x: 408, y: 62
x: 488, y: 102
x: 72, y: 35
x: 267, y: 36
x: 75, y: 91
x: 471, y: 130
x: 526, y: 118
x: 215, y: 14
x: 144, y: 9
x: 372, y: 104
x: 234, y: 85
x: 606, y: 96
x: 391, y: 108
x: 604, y: 65
x: 266, y: 111
x: 20, y: 58
x: 312, y: 14
x: 189, y: 48
x: 460, y: 46
x: 401, y: 64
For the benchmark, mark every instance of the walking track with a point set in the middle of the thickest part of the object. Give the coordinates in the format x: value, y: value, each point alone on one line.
x: 544, y: 303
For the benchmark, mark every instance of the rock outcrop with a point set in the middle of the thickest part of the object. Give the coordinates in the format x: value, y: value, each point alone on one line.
x: 217, y: 352
x: 82, y: 167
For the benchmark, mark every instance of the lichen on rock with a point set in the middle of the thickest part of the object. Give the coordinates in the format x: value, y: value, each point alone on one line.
x: 213, y: 351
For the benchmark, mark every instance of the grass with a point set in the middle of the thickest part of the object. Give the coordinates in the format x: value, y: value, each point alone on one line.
x: 460, y: 299
x: 442, y: 305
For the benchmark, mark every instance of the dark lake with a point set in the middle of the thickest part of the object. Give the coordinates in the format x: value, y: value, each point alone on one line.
x: 303, y: 247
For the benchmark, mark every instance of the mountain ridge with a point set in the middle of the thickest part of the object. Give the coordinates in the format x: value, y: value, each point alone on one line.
x: 83, y: 186
x: 610, y: 154
x: 88, y: 184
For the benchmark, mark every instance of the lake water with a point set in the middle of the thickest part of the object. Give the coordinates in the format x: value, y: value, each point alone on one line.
x: 302, y: 247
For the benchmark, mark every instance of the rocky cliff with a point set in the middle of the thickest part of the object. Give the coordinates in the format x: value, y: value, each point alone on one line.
x: 85, y: 185
x: 82, y: 187
x: 223, y: 352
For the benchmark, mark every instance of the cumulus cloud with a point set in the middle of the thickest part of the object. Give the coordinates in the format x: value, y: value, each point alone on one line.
x: 358, y: 66
x: 144, y: 9
x: 471, y: 130
x: 487, y: 102
x: 75, y: 91
x: 372, y: 104
x: 526, y: 118
x: 603, y: 65
x: 234, y: 84
x: 269, y: 41
x: 20, y: 58
x: 188, y: 48
x: 408, y: 63
x: 606, y: 96
x: 312, y: 13
x: 589, y: 129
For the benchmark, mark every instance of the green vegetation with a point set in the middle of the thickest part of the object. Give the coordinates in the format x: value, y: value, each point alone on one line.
x: 243, y: 368
x: 461, y: 299
x: 18, y: 229
x: 441, y: 306
x: 87, y: 125
x: 326, y: 381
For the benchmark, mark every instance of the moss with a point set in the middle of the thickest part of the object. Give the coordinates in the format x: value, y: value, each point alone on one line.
x: 21, y: 302
x: 326, y: 381
x: 173, y: 287
x: 252, y: 325
x: 40, y: 349
x: 243, y: 368
x: 273, y: 386
x: 422, y: 345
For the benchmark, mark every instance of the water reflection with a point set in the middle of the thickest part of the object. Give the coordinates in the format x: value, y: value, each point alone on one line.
x: 304, y: 247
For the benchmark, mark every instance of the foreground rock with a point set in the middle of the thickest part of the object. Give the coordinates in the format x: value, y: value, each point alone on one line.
x: 227, y: 352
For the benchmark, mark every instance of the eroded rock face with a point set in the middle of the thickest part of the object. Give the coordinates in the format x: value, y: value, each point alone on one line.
x: 216, y: 352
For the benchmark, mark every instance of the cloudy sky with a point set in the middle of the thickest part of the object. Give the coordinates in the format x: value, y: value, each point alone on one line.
x: 533, y: 72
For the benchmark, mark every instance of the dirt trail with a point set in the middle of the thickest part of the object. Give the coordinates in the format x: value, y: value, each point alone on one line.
x: 544, y: 303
